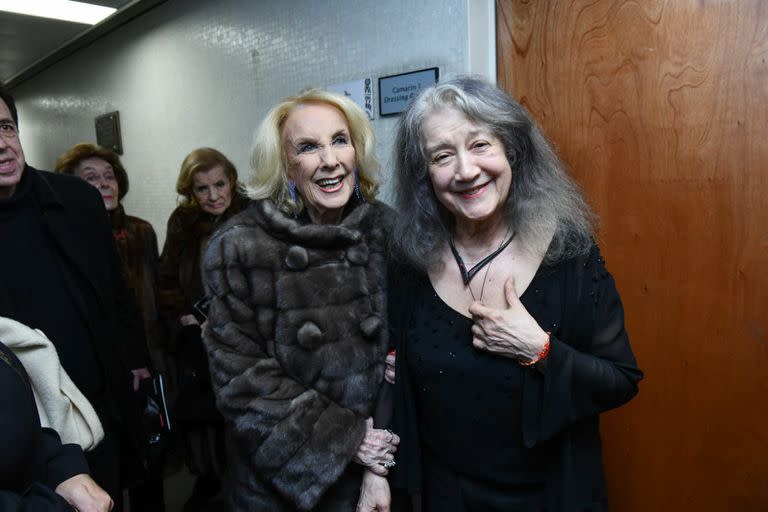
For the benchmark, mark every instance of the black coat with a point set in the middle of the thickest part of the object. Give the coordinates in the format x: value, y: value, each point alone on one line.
x: 33, y: 460
x: 79, y: 230
x: 180, y: 287
x: 137, y: 247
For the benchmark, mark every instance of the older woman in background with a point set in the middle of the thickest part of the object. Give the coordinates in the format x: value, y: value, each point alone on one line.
x: 135, y: 238
x: 296, y: 334
x: 136, y: 244
x: 211, y: 193
x: 511, y: 330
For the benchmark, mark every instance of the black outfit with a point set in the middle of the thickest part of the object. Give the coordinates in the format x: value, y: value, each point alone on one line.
x: 137, y: 248
x: 33, y: 462
x: 34, y: 281
x: 481, y: 432
x: 59, y: 272
x: 180, y: 287
x: 136, y: 243
x: 449, y: 377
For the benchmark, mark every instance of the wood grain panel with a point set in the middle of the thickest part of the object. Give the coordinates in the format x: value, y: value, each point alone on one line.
x: 660, y: 110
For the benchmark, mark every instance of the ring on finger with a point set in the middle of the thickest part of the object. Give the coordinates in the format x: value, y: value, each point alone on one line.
x: 389, y: 464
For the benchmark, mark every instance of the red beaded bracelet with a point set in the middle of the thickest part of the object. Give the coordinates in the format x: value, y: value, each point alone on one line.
x: 541, y: 355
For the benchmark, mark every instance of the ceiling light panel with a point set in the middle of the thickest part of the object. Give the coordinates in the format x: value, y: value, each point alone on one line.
x: 66, y: 10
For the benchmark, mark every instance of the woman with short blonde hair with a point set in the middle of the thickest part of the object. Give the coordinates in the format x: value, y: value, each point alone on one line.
x: 269, y: 160
x: 297, y: 333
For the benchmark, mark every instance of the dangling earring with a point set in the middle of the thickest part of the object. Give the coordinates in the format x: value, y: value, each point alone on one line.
x: 358, y: 194
x: 292, y: 191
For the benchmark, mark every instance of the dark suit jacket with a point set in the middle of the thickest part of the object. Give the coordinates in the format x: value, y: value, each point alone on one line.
x: 78, y: 226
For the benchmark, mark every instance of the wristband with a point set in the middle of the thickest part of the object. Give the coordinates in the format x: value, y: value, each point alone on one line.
x: 544, y: 352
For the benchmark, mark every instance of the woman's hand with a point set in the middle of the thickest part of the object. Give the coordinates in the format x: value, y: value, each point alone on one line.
x: 374, y: 494
x: 377, y: 452
x: 510, y: 332
x: 84, y: 494
x: 389, y: 370
x: 186, y: 320
x: 140, y: 374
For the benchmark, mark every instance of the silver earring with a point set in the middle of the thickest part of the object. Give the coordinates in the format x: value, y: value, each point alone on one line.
x: 358, y: 194
x: 292, y: 190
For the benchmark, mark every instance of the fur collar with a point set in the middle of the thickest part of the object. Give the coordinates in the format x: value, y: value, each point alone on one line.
x: 348, y: 232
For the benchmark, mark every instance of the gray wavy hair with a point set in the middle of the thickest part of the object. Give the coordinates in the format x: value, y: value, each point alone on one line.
x: 543, y: 201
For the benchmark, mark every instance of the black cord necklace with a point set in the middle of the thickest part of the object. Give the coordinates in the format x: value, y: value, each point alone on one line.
x: 467, y: 275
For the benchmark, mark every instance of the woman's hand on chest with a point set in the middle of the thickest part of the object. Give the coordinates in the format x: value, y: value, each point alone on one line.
x: 507, y: 331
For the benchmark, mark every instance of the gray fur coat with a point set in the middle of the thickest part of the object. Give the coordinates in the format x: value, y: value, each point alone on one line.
x: 296, y: 340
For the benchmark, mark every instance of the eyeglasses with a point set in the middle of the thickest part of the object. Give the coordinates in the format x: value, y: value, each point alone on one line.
x: 8, y: 130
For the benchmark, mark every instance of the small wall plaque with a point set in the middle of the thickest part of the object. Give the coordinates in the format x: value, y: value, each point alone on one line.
x: 359, y: 91
x: 396, y: 91
x: 108, y: 132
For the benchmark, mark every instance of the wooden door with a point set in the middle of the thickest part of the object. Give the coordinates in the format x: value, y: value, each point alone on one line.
x: 660, y: 110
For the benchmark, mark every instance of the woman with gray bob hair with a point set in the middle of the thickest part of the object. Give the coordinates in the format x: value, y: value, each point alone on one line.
x: 510, y: 329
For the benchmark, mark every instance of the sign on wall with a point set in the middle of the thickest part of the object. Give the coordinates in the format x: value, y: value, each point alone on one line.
x: 108, y: 132
x: 359, y: 91
x: 396, y: 91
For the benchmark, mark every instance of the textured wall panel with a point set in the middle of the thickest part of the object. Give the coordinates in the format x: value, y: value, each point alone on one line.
x: 200, y: 72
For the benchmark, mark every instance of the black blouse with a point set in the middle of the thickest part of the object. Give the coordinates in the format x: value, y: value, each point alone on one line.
x: 502, y: 422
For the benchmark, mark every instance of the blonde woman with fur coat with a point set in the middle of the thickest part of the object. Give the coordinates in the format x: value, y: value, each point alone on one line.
x: 296, y: 334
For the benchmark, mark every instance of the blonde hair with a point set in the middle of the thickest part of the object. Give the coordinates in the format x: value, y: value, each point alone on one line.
x: 269, y: 160
x: 204, y: 159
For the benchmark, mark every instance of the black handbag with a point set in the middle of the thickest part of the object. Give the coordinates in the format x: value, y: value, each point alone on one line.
x: 153, y: 424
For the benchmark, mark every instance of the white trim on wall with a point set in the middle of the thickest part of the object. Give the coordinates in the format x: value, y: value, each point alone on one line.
x: 481, y: 18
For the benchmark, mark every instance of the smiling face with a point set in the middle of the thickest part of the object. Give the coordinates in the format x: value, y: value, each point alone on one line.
x: 11, y: 154
x: 212, y: 190
x: 321, y: 159
x: 99, y: 173
x: 468, y: 167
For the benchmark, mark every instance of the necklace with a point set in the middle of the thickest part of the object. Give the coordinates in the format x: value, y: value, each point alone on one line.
x: 482, y: 288
x: 467, y: 275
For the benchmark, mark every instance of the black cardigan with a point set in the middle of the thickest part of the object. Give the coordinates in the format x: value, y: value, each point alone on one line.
x: 590, y: 369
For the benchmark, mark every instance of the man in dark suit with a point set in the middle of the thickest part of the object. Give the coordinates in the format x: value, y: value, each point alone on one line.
x: 59, y: 272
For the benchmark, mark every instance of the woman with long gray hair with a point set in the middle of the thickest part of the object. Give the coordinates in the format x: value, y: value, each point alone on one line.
x: 511, y: 330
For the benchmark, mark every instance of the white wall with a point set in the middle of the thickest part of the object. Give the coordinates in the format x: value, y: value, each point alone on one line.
x: 196, y: 73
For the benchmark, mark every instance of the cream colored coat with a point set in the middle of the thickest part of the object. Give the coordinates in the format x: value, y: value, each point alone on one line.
x: 60, y: 404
